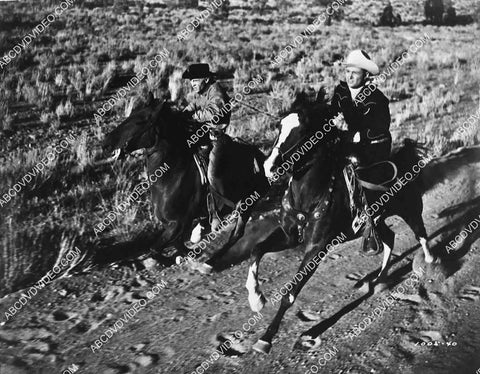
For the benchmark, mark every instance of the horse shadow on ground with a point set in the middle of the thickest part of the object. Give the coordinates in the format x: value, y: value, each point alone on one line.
x: 449, y: 265
x: 133, y: 252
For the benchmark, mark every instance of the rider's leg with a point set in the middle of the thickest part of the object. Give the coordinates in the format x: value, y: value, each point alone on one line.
x: 215, y: 171
x: 373, y: 153
x: 202, y: 222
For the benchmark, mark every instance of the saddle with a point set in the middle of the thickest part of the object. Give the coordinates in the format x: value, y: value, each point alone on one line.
x: 379, y: 176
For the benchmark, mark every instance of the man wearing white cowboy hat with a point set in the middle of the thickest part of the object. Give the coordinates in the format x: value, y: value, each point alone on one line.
x: 367, y: 121
x: 365, y: 109
x: 206, y: 102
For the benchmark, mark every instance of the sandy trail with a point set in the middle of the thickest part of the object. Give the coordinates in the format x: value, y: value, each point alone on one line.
x: 180, y: 327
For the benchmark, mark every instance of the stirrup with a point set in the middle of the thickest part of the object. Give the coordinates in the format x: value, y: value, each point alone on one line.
x: 371, y: 244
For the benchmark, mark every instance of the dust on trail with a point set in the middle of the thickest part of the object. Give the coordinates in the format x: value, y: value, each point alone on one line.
x: 194, y: 314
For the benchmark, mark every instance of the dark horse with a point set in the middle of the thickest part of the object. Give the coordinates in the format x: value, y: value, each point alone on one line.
x: 316, y: 205
x: 178, y: 197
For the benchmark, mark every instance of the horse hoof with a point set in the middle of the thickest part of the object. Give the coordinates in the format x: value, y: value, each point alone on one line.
x: 262, y: 346
x: 179, y: 260
x: 379, y: 286
x: 256, y: 301
x: 363, y: 287
x: 429, y: 259
x: 204, y: 268
x: 307, y: 342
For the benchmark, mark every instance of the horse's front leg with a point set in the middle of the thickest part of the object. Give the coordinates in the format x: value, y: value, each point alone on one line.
x: 277, y: 241
x: 307, y: 269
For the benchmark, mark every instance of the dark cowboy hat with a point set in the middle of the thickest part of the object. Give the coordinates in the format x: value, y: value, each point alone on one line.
x: 195, y: 71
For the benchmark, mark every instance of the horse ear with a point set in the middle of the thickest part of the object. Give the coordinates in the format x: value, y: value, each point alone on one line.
x: 150, y: 99
x: 321, y: 95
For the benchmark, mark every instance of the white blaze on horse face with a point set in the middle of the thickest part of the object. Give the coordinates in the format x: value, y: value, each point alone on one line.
x: 287, y: 125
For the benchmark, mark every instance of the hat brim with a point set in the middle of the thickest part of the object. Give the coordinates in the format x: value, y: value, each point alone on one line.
x: 367, y: 65
x: 188, y: 75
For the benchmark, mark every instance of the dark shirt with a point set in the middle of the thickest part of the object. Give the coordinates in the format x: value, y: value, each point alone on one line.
x: 370, y: 117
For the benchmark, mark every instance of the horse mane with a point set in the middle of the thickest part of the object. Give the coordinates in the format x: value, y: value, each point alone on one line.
x: 311, y: 107
x: 313, y: 112
x: 173, y: 123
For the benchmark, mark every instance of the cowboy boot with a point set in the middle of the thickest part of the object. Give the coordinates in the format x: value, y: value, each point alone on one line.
x: 371, y: 244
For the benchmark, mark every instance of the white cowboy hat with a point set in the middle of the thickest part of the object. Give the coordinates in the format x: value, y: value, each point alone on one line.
x: 360, y: 59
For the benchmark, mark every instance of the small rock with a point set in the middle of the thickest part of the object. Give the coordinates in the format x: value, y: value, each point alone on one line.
x: 38, y: 346
x: 149, y: 263
x: 146, y: 359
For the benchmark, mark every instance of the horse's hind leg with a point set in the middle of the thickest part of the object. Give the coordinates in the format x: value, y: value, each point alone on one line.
x: 414, y: 219
x: 388, y: 239
x: 277, y: 241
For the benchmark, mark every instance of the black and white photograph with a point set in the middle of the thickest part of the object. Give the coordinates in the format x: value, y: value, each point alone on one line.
x: 239, y: 186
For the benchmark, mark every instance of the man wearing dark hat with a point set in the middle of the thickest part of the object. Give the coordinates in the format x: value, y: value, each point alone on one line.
x: 367, y: 121
x: 206, y: 104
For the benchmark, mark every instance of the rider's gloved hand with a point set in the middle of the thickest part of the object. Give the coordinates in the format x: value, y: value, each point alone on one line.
x: 356, y: 138
x: 340, y: 122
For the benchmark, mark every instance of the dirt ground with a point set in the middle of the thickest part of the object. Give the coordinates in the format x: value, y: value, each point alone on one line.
x: 193, y: 314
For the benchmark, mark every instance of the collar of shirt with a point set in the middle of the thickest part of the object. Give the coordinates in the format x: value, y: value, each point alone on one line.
x: 355, y: 91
